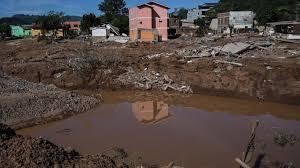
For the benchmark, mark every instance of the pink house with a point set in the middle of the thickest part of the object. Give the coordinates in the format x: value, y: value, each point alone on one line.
x: 148, y: 22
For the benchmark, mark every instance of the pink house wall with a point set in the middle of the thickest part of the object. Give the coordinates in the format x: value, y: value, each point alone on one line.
x: 160, y: 19
x: 149, y: 16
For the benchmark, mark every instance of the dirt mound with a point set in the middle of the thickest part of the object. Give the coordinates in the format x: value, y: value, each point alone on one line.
x: 19, y: 151
x: 24, y: 103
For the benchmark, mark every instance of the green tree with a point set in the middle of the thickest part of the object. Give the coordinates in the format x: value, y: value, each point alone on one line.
x: 88, y: 21
x: 5, y: 30
x: 266, y: 10
x: 122, y: 22
x: 113, y: 7
x: 182, y: 13
x: 202, y: 26
x: 115, y: 12
x: 51, y: 21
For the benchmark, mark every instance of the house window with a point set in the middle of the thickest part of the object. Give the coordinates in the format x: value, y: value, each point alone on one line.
x: 160, y: 21
x: 75, y: 25
x: 141, y: 22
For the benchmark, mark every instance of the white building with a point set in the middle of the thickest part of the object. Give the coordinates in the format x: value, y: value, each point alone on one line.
x: 199, y: 12
x: 237, y: 19
x: 100, y: 32
x: 105, y: 31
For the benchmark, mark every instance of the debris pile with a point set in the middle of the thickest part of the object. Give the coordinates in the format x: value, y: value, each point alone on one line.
x: 118, y: 39
x: 235, y: 49
x: 152, y: 80
x: 24, y: 103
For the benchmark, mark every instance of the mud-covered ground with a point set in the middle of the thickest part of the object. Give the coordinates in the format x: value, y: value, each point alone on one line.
x: 34, y: 77
x: 20, y: 151
x: 271, y: 74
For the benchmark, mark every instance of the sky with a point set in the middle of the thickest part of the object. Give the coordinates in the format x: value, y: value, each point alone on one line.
x: 77, y: 7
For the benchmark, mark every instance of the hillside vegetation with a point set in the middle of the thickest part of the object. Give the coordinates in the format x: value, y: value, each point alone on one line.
x: 266, y: 10
x: 21, y: 19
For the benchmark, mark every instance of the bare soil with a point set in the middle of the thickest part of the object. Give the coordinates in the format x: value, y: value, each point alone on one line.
x: 34, y: 76
x: 25, y: 104
x: 20, y: 151
x: 270, y: 75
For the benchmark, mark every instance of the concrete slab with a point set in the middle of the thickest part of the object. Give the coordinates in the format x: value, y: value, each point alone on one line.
x: 235, y: 48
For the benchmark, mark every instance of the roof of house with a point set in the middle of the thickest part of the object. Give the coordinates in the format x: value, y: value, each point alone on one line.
x: 209, y: 4
x: 145, y: 5
x: 159, y: 4
x: 27, y: 26
x: 283, y: 23
x: 149, y: 4
x: 71, y: 22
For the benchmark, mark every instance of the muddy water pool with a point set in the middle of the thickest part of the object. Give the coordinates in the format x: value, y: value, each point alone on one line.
x: 192, y: 131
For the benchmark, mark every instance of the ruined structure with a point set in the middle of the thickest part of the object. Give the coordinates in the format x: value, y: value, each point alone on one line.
x: 237, y: 20
x: 287, y: 27
x: 199, y: 12
x: 149, y: 22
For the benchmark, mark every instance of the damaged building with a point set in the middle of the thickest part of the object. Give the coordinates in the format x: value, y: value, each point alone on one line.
x: 237, y: 20
x: 286, y: 27
x: 105, y: 31
x: 149, y: 22
x: 199, y: 12
x: 195, y: 13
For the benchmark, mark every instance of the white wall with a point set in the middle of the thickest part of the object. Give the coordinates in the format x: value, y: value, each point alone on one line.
x: 241, y: 19
x: 214, y: 24
x: 99, y: 32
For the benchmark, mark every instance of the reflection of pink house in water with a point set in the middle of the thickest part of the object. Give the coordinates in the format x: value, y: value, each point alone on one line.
x: 147, y: 21
x: 150, y: 111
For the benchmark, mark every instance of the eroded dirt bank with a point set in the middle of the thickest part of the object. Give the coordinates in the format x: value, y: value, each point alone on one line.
x: 20, y: 151
x: 24, y: 103
x: 271, y: 74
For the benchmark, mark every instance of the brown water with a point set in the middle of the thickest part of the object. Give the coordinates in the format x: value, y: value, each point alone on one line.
x: 196, y: 131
